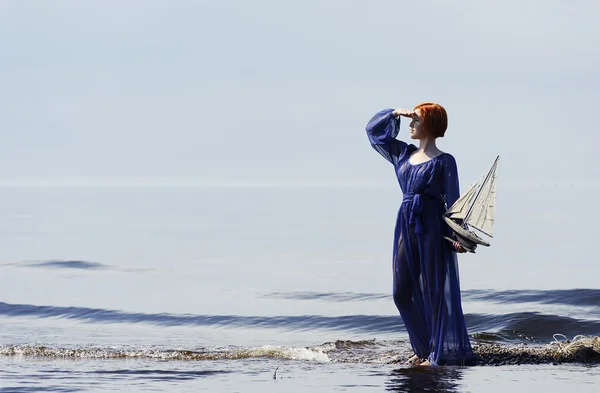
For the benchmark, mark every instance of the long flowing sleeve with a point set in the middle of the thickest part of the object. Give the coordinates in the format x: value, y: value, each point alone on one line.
x: 451, y: 183
x: 382, y: 130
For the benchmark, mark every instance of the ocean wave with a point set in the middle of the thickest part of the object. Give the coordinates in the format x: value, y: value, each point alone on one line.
x: 571, y: 297
x: 365, y: 323
x: 317, y: 354
x: 521, y: 326
x: 73, y: 265
x: 582, y: 350
x: 327, y: 296
x: 531, y: 326
x: 81, y: 265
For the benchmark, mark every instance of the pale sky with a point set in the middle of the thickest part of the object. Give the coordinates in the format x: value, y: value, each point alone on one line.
x: 263, y: 93
x: 267, y: 92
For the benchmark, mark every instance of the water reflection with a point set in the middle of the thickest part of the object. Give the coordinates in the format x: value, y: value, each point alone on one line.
x: 425, y: 379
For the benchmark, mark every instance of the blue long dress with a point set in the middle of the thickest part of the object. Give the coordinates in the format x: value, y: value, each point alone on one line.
x: 426, y: 287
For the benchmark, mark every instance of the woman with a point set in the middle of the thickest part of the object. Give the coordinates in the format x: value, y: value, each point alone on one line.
x: 426, y: 285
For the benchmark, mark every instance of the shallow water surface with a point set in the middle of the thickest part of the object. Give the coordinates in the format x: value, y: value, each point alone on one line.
x: 204, y: 289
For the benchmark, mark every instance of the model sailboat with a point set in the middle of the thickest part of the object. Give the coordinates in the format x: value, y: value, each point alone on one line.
x: 473, y: 212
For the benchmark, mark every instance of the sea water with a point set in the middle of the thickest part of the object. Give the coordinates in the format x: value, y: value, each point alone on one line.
x: 271, y: 289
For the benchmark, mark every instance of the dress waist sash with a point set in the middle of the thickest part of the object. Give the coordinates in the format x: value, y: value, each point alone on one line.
x: 414, y: 202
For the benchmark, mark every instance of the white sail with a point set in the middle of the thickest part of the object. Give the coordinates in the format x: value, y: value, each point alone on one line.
x: 459, y: 209
x: 482, y: 210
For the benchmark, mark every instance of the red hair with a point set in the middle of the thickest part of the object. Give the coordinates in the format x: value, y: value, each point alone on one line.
x: 435, y: 119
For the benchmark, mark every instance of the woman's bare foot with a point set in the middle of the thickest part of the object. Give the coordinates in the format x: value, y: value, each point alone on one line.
x: 413, y: 360
x: 425, y: 363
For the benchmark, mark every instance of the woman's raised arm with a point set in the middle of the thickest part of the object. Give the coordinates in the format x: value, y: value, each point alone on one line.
x: 382, y: 130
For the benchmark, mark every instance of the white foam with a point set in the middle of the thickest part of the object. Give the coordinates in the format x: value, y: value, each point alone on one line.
x: 293, y: 353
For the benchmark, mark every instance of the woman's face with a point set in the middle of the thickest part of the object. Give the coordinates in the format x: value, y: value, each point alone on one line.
x: 417, y: 131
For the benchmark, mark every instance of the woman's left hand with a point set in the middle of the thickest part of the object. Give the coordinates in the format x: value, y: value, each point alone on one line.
x: 458, y: 247
x: 404, y: 112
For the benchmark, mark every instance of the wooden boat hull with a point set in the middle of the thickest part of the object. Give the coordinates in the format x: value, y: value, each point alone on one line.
x: 470, y: 247
x: 464, y: 235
